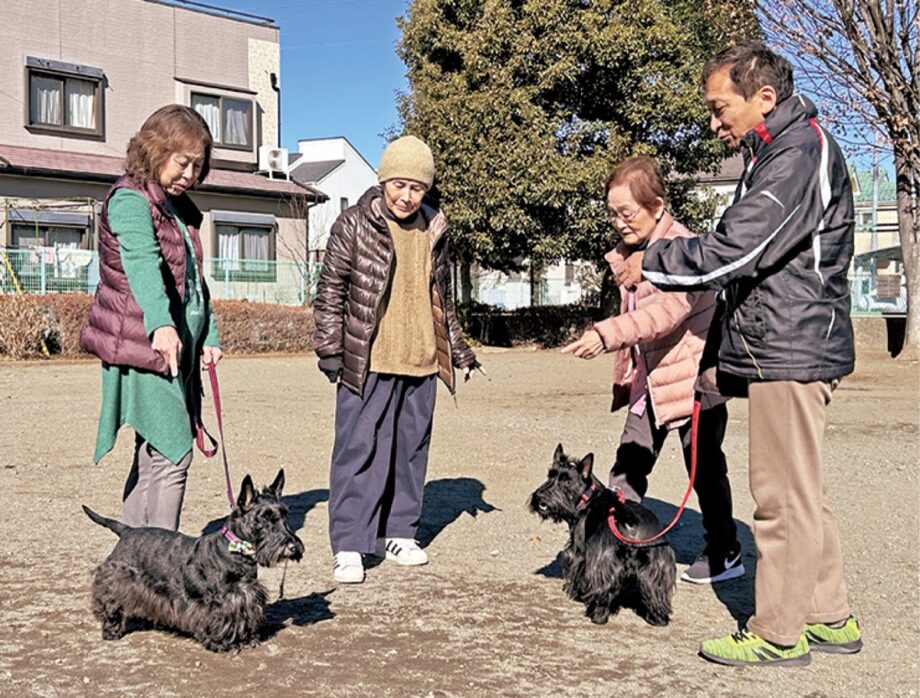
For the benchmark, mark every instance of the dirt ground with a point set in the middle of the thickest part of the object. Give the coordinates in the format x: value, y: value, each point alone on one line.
x: 488, y: 615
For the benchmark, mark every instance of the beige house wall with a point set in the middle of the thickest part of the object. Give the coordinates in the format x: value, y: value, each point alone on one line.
x: 145, y: 50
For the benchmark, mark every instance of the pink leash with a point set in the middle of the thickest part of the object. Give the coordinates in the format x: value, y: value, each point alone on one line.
x: 201, y: 433
x: 694, y: 426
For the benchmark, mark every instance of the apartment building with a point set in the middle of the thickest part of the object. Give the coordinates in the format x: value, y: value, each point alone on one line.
x: 77, y: 80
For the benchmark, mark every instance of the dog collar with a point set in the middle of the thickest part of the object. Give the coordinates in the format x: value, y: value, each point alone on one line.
x: 238, y: 545
x: 586, y: 495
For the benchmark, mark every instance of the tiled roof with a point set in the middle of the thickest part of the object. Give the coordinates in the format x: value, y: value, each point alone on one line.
x: 313, y: 171
x: 730, y: 170
x: 863, y: 193
x: 68, y: 165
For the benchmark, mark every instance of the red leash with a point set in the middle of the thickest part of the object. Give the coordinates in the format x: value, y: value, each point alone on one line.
x: 694, y: 426
x: 201, y: 433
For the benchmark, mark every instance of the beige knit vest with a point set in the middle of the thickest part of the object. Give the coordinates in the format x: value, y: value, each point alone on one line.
x: 405, y: 343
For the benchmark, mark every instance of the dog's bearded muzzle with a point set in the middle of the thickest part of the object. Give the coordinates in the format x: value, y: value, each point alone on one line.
x: 293, y: 550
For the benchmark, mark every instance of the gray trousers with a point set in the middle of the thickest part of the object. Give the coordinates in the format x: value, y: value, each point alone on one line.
x: 379, y: 460
x: 155, y: 488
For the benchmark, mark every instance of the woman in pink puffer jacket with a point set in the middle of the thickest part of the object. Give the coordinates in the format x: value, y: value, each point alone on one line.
x: 658, y: 338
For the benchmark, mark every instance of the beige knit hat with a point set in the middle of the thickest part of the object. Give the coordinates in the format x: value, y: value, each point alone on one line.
x: 407, y: 158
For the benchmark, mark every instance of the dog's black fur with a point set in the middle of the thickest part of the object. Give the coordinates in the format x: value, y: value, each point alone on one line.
x: 196, y: 585
x: 599, y: 570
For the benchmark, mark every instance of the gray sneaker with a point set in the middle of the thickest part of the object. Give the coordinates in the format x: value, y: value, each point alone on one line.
x: 718, y: 568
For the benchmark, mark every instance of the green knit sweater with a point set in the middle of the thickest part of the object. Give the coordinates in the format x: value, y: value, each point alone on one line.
x: 155, y: 406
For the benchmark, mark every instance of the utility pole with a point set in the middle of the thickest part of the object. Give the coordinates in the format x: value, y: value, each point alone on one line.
x: 873, y: 239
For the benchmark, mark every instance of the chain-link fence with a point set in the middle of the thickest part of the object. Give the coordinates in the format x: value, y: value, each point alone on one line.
x: 878, y: 284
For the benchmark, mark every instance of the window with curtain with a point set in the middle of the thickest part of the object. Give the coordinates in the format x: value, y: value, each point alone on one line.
x: 247, y: 253
x: 209, y: 108
x: 64, y: 103
x: 230, y: 120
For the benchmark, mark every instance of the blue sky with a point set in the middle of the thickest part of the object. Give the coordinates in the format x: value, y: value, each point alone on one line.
x: 339, y: 68
x: 340, y: 72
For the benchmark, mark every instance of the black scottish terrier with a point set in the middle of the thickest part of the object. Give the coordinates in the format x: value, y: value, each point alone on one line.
x: 205, y: 587
x: 599, y: 570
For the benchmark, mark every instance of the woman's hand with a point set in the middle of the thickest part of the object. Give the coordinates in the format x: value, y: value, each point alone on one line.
x: 628, y: 272
x: 589, y: 346
x: 166, y: 343
x: 210, y: 355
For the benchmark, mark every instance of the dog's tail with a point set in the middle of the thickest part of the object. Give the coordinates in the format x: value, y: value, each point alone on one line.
x: 117, y: 526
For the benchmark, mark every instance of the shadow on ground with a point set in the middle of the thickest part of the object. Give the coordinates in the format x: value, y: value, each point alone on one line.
x: 445, y: 500
x: 299, y: 505
x: 301, y: 612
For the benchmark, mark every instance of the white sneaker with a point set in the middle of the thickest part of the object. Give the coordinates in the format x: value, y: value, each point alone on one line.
x: 348, y: 567
x: 405, y: 551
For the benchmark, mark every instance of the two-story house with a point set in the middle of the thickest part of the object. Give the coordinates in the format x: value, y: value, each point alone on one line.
x: 334, y: 166
x: 77, y: 80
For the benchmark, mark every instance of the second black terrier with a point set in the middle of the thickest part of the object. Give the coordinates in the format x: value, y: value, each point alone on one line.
x: 599, y: 570
x: 206, y: 587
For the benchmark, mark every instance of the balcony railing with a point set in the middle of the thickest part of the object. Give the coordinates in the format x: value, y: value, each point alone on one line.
x: 44, y: 270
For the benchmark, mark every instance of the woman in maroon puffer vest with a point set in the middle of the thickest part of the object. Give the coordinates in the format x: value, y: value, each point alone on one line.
x: 151, y: 321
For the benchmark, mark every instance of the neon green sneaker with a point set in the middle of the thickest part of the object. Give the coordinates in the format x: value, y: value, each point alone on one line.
x: 744, y: 648
x: 844, y: 640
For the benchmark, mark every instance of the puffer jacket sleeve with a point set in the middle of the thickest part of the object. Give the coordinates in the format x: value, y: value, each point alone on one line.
x: 657, y: 318
x: 332, y: 289
x: 461, y: 354
x: 780, y: 209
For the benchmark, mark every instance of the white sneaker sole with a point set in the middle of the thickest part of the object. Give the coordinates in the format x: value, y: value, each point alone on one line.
x: 347, y: 576
x: 406, y: 563
x: 724, y: 576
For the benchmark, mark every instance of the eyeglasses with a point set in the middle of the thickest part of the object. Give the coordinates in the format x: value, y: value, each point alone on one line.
x: 626, y: 217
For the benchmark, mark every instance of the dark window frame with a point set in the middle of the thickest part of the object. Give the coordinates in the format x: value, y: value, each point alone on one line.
x: 85, y: 241
x: 59, y: 70
x: 27, y: 272
x: 269, y: 275
x: 252, y: 119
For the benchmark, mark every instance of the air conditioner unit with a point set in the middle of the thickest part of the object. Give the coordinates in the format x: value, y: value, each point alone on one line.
x: 273, y: 161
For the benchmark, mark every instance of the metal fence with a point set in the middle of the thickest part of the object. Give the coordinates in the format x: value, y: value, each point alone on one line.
x: 877, y: 288
x: 42, y: 270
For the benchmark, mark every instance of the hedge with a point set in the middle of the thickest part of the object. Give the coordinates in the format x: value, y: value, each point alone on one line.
x: 58, y: 318
x: 546, y: 325
x: 248, y: 328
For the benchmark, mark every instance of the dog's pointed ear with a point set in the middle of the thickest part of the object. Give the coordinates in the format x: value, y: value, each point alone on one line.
x: 587, y: 466
x: 278, y: 484
x: 558, y: 455
x: 247, y: 494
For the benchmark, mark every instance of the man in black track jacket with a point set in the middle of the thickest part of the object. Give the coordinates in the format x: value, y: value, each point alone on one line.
x: 780, y: 255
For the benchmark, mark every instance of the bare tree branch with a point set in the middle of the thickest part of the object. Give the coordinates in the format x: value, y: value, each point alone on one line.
x: 861, y: 59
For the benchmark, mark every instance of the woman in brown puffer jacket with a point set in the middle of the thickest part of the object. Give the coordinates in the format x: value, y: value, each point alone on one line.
x: 658, y: 338
x: 385, y: 331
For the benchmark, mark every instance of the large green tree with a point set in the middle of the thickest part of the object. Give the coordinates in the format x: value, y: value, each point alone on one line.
x: 528, y: 103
